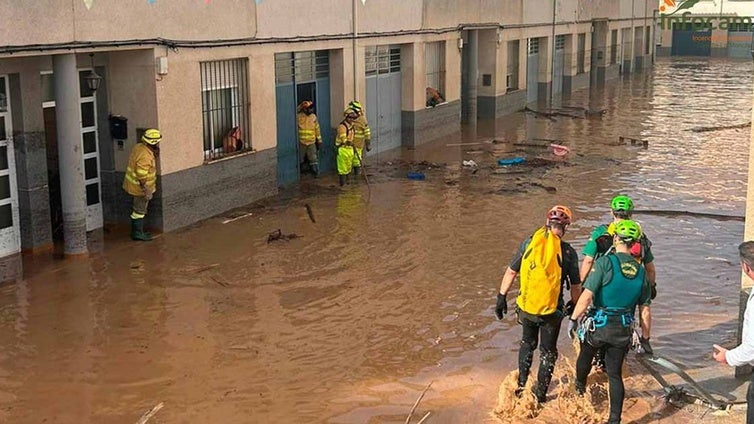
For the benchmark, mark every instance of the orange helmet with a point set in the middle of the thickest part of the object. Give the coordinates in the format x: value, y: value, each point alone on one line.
x: 560, y: 214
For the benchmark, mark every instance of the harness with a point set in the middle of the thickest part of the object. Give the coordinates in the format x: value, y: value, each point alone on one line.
x: 600, y: 317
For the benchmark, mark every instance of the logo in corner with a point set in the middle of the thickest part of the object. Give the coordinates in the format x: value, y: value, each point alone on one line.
x: 671, y: 7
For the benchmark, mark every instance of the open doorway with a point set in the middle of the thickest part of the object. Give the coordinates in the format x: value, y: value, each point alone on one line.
x: 53, y: 172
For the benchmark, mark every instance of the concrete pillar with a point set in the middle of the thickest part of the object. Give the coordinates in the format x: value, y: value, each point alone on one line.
x: 469, y: 78
x: 746, y: 283
x: 70, y: 156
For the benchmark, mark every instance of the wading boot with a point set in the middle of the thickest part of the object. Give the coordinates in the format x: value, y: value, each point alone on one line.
x: 342, y: 179
x: 137, y: 230
x: 356, y: 171
x: 315, y: 170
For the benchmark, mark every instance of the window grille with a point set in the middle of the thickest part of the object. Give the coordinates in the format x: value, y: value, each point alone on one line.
x: 225, y: 107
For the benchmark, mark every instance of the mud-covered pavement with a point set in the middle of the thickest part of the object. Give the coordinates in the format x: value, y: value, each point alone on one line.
x: 393, y: 286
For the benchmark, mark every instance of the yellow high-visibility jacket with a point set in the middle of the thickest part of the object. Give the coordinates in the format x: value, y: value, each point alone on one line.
x: 141, y: 168
x: 361, y: 131
x: 345, y: 133
x: 308, y: 129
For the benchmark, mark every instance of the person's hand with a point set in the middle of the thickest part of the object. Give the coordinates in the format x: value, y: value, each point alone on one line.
x: 719, y: 354
x: 573, y: 327
x: 645, y: 346
x: 653, y: 288
x: 318, y: 144
x: 148, y: 192
x: 369, y: 146
x: 501, y: 308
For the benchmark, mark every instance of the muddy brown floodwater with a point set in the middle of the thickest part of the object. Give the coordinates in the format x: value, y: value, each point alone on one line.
x: 393, y: 286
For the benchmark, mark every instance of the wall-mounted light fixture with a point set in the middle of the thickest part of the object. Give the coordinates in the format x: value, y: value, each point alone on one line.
x: 93, y: 80
x: 499, y: 37
x: 460, y: 43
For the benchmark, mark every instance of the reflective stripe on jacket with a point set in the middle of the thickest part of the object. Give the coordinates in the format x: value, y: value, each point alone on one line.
x: 141, y: 168
x: 361, y: 131
x: 308, y: 129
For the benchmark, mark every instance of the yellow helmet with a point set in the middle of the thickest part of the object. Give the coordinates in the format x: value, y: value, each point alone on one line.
x: 355, y: 105
x: 151, y: 136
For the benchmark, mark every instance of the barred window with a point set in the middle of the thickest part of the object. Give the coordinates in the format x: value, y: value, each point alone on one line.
x: 382, y: 59
x: 533, y: 46
x: 225, y: 107
x: 560, y: 41
x: 511, y: 77
x: 434, y: 57
x: 614, y: 47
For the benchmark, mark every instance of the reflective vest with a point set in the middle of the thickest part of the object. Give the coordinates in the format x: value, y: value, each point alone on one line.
x: 345, y: 133
x: 361, y: 131
x: 141, y: 167
x: 625, y: 287
x: 308, y: 129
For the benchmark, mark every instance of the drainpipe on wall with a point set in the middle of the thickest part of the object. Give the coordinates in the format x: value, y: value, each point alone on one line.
x: 552, y: 49
x: 355, y: 33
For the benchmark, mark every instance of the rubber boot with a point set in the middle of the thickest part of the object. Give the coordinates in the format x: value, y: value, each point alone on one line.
x: 137, y: 230
x: 342, y: 180
x: 356, y: 170
x: 315, y: 170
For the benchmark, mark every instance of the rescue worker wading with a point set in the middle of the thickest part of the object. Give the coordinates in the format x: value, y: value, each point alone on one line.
x: 309, y: 137
x: 344, y: 145
x: 616, y: 285
x: 141, y: 180
x: 362, y: 136
x: 546, y: 264
x: 601, y: 242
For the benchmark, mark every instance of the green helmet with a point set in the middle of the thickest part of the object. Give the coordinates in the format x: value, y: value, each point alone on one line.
x: 622, y: 203
x: 627, y: 230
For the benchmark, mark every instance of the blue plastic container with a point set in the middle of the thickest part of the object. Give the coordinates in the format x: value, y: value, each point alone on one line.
x: 415, y: 176
x: 511, y: 161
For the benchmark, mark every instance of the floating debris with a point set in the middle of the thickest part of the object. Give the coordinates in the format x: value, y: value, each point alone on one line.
x: 278, y: 235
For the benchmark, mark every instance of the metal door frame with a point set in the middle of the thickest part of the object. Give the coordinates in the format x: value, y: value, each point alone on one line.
x: 385, y: 63
x: 12, y: 234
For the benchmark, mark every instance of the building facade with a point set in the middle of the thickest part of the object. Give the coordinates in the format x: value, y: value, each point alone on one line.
x: 202, y: 72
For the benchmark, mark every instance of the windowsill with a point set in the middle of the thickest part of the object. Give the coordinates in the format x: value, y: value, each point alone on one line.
x: 439, y: 104
x: 230, y: 156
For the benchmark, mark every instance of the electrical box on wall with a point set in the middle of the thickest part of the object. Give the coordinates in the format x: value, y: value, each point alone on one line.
x: 162, y: 65
x: 118, y: 127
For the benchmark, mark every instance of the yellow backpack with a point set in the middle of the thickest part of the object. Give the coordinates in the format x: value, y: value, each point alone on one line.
x: 540, y: 274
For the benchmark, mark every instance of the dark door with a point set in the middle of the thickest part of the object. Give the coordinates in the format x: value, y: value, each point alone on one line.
x: 53, y: 173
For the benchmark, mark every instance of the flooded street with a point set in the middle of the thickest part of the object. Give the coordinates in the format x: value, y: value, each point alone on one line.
x: 393, y: 286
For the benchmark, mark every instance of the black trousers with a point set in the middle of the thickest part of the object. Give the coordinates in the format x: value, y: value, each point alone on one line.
x: 615, y: 340
x: 542, y: 331
x: 750, y: 402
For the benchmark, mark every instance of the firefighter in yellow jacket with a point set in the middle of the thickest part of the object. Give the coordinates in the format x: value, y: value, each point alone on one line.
x: 344, y: 145
x: 141, y: 180
x: 309, y: 137
x: 362, y: 136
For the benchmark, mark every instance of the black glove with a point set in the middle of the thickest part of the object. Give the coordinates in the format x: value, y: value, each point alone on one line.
x: 569, y: 307
x: 573, y: 326
x: 645, y: 346
x: 319, y: 145
x: 502, y: 306
x: 653, y: 287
